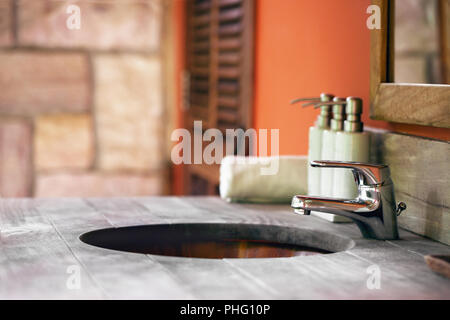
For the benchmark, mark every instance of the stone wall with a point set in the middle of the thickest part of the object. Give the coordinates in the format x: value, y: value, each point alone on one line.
x: 82, y: 111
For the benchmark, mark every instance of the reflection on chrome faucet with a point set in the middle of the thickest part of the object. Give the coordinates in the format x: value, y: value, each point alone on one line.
x: 374, y: 209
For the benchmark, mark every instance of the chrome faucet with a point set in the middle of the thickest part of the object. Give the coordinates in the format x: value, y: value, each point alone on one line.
x: 374, y: 210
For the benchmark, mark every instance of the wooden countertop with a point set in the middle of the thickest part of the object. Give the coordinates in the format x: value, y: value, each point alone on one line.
x: 40, y: 253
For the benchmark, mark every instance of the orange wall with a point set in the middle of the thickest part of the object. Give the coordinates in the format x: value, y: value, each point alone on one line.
x: 305, y: 47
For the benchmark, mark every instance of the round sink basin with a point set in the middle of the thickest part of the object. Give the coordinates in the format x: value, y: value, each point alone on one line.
x: 218, y: 241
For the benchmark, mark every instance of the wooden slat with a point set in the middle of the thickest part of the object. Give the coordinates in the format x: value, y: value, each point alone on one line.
x: 228, y: 72
x: 117, y: 211
x: 39, y: 259
x: 229, y: 44
x: 229, y: 15
x: 201, y: 33
x: 420, y: 170
x: 199, y: 64
x: 230, y: 29
x: 199, y: 99
x: 229, y: 58
x: 202, y: 6
x: 444, y: 22
x: 213, y: 78
x: 225, y: 3
x: 227, y: 115
x: 189, y: 36
x: 427, y: 105
x: 200, y: 71
x: 35, y: 258
x: 108, y: 268
x: 198, y: 85
x: 232, y: 102
x: 201, y: 46
x: 223, y: 126
x: 199, y: 112
x: 200, y: 60
x: 201, y: 20
x: 228, y: 88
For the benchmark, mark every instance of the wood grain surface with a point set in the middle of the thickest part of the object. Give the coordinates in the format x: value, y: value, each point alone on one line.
x: 39, y: 240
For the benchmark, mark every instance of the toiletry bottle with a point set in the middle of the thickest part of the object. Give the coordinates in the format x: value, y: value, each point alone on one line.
x: 328, y: 153
x: 315, y: 144
x: 329, y: 143
x: 352, y: 144
x: 315, y: 137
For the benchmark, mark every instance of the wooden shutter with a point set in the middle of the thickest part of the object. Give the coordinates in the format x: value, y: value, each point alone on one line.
x: 219, y: 62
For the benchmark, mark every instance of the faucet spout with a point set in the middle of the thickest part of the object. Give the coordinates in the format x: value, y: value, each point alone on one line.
x: 350, y: 208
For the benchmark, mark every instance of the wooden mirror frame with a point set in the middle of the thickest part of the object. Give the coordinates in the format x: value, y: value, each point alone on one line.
x: 421, y: 104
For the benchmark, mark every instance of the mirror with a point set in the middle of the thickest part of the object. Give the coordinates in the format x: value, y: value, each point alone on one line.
x: 421, y: 41
x: 402, y: 98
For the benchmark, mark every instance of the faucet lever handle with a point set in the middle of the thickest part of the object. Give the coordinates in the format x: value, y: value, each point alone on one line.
x: 365, y: 173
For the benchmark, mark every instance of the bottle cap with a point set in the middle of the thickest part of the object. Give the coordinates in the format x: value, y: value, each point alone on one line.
x: 323, y: 120
x: 353, y: 111
x: 338, y: 111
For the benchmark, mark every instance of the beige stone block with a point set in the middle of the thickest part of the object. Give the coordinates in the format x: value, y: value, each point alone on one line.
x: 37, y: 82
x: 98, y: 185
x: 6, y: 35
x: 128, y: 112
x: 15, y: 158
x: 104, y: 24
x: 63, y: 141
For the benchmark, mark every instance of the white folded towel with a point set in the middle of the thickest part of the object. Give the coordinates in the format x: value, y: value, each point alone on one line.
x: 263, y: 179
